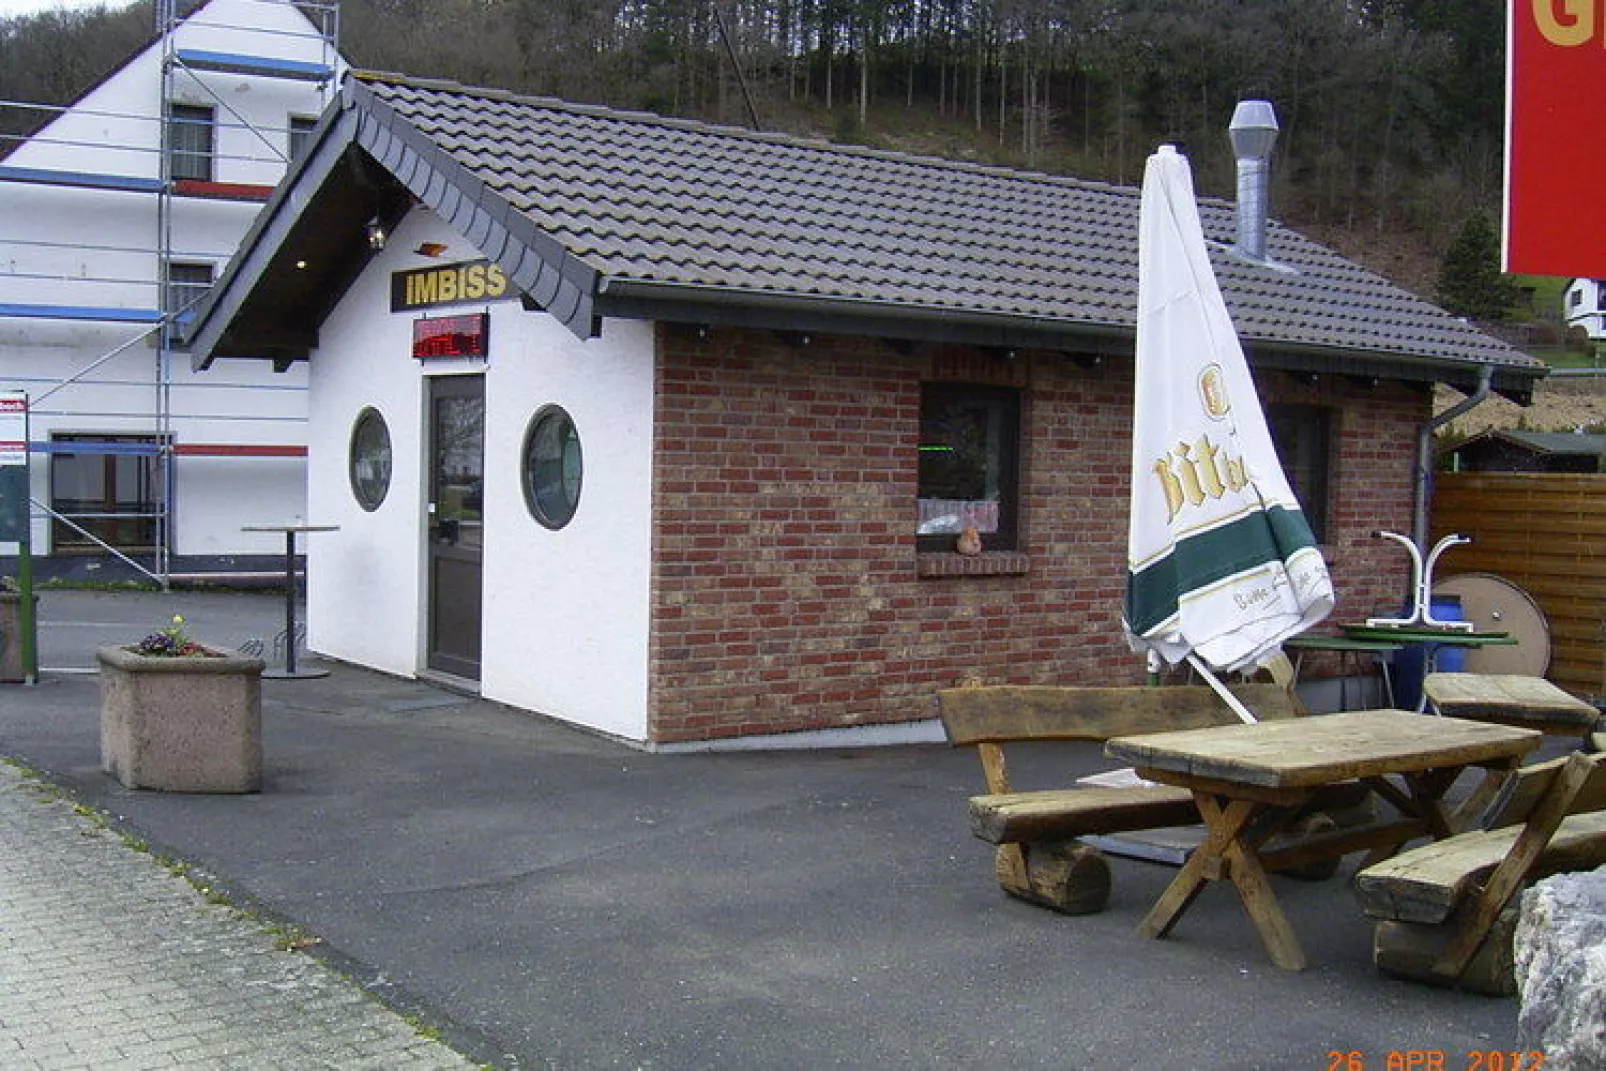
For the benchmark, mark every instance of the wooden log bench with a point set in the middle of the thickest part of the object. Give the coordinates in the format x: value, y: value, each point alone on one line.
x: 1445, y: 909
x: 1040, y: 857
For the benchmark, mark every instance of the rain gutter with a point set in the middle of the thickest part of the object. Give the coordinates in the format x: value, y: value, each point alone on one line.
x: 715, y: 304
x: 1424, y: 454
x: 711, y: 304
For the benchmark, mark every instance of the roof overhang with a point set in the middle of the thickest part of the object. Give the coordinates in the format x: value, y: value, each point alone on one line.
x: 304, y: 250
x: 641, y: 300
x: 310, y: 241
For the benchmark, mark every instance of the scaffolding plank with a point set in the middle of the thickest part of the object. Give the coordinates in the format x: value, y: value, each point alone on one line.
x: 150, y: 449
x: 81, y: 312
x: 70, y: 446
x: 232, y: 63
x: 85, y: 179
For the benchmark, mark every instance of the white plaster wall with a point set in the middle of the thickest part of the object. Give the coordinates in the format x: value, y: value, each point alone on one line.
x: 566, y: 613
x: 365, y: 594
x: 115, y: 130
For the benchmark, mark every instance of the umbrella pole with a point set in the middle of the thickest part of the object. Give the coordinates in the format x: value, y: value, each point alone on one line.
x: 1222, y: 690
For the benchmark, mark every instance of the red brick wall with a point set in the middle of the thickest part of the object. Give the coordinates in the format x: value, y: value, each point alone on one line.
x: 787, y: 592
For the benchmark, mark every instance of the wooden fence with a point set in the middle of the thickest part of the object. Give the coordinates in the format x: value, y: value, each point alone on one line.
x: 1546, y: 533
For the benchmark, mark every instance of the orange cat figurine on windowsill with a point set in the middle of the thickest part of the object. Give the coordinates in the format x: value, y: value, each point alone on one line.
x: 969, y: 542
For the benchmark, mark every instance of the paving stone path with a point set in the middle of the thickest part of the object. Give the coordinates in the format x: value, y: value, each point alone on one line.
x: 109, y: 959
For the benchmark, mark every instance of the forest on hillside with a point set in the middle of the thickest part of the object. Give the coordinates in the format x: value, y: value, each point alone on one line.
x: 1391, y: 110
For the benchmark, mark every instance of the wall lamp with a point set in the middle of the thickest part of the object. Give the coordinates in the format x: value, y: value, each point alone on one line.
x: 376, y: 234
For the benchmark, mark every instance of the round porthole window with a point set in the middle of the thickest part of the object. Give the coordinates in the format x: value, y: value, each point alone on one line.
x: 370, y: 459
x: 552, y: 467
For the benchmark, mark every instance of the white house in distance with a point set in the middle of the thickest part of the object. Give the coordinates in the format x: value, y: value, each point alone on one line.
x: 1584, y: 305
x: 116, y: 213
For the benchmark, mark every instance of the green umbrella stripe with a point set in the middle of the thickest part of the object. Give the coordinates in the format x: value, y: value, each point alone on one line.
x: 1206, y: 560
x: 1181, y: 533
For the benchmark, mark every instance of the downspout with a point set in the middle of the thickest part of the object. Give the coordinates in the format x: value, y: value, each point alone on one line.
x: 1424, y: 454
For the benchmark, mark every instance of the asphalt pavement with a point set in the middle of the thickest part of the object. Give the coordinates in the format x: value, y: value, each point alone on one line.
x: 538, y: 896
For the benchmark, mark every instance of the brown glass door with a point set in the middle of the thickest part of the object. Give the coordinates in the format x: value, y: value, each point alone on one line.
x: 456, y: 507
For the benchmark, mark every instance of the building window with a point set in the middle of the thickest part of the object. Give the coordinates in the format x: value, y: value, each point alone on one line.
x: 553, y: 467
x: 300, y: 136
x: 187, y: 284
x: 1303, y: 434
x: 190, y: 133
x: 370, y: 459
x: 109, y: 491
x: 969, y: 465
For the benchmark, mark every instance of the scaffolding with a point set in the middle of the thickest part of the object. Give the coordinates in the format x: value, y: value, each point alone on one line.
x: 195, y: 71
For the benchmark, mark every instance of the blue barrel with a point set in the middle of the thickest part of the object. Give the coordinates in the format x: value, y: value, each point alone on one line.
x: 1410, y: 660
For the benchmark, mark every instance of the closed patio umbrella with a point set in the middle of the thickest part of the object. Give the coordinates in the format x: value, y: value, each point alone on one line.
x: 1222, y: 566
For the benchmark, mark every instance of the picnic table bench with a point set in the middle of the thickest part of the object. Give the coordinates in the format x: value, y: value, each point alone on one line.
x: 1443, y: 907
x: 1040, y: 857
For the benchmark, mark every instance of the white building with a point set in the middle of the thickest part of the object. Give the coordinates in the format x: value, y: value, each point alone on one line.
x: 1584, y: 305
x: 118, y: 212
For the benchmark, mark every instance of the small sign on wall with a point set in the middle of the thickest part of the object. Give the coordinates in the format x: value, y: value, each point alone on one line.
x: 13, y: 467
x: 439, y: 338
x: 13, y: 428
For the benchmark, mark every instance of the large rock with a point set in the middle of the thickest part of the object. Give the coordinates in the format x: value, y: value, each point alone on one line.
x: 1561, y: 970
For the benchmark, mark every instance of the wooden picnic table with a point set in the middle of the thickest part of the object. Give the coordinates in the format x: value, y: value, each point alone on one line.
x: 1431, y: 639
x: 1511, y: 699
x: 1250, y: 781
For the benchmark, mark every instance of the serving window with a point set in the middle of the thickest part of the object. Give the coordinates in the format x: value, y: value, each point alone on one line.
x: 969, y: 465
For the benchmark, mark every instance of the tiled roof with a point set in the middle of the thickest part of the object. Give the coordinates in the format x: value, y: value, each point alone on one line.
x: 595, y: 213
x: 642, y: 199
x: 1545, y: 442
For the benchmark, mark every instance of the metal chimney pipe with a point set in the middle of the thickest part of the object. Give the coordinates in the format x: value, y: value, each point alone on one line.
x: 1253, y: 132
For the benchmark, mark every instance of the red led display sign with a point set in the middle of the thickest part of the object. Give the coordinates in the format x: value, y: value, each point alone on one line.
x: 442, y: 337
x: 1555, y: 137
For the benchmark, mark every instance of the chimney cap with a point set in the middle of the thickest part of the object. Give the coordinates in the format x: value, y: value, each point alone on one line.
x: 1253, y: 129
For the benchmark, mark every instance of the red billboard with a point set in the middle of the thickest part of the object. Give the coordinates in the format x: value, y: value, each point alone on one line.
x: 1556, y: 138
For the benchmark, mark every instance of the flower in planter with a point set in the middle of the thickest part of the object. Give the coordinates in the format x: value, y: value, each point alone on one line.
x: 172, y: 642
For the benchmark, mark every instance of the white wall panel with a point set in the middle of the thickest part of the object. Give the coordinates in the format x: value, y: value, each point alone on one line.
x: 565, y: 620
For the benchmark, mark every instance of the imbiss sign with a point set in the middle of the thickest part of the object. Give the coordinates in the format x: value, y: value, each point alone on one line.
x: 473, y: 282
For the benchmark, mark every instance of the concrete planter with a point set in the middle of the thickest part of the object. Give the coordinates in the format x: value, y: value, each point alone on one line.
x: 181, y: 724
